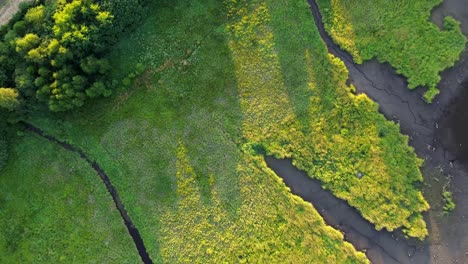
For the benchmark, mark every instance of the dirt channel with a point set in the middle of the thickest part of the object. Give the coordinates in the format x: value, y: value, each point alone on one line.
x: 8, y: 8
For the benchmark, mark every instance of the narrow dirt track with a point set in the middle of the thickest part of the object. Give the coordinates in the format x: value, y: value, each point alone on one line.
x: 9, y: 9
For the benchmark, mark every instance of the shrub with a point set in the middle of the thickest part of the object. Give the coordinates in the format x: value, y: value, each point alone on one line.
x: 449, y: 205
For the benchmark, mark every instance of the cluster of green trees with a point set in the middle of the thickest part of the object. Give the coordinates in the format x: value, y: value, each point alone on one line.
x: 52, y: 53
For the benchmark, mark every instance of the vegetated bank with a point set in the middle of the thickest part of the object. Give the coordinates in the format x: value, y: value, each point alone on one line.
x: 430, y: 128
x: 399, y: 33
x: 55, y: 209
x: 132, y: 230
x: 268, y: 230
x: 380, y: 246
x: 58, y: 212
x: 276, y: 92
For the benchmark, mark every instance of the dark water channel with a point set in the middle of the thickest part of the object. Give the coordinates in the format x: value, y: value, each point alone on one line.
x: 132, y: 230
x: 454, y: 128
x: 439, y: 134
x: 380, y: 246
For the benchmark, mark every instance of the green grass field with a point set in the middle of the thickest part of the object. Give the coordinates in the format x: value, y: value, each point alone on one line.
x: 397, y: 32
x: 54, y: 209
x: 224, y: 81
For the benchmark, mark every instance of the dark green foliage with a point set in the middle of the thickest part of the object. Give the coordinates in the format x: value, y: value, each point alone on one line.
x: 127, y: 14
x: 449, y: 205
x: 53, y: 52
x: 3, y: 151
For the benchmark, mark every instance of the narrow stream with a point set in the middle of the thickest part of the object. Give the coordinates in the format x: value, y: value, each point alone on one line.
x: 380, y: 246
x: 437, y: 132
x: 132, y: 230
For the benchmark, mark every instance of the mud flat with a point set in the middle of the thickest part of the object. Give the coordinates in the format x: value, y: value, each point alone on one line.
x: 436, y: 131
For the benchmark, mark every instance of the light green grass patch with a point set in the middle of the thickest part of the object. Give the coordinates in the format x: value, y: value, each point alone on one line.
x: 398, y: 32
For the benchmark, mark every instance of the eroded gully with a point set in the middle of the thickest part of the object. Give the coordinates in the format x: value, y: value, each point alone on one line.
x: 431, y: 130
x: 132, y: 230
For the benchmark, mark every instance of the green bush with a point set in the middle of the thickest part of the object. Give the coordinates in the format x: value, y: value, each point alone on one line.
x: 54, y: 52
x: 449, y: 204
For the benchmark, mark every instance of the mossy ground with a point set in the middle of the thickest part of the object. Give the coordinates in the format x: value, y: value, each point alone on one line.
x: 223, y: 81
x: 398, y: 32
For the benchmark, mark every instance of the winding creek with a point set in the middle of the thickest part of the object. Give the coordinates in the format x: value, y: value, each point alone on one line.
x: 380, y: 246
x: 132, y: 230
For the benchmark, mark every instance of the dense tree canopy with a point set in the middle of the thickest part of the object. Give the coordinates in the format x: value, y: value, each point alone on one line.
x: 53, y: 53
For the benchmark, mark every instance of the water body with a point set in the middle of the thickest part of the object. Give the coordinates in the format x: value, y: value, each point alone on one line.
x: 437, y: 131
x: 380, y: 246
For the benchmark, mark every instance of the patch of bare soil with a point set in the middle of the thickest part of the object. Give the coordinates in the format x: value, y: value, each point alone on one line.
x: 8, y: 8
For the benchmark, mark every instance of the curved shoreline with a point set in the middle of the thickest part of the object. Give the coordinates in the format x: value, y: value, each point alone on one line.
x: 379, y: 246
x: 132, y: 230
x: 430, y: 130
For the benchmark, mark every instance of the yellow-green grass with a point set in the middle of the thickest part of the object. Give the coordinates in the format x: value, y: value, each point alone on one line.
x: 296, y: 104
x: 175, y: 152
x: 54, y: 209
x: 263, y: 78
x: 224, y: 80
x: 398, y: 32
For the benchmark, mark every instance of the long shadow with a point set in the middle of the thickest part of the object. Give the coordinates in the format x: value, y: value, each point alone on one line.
x: 132, y: 230
x: 380, y: 246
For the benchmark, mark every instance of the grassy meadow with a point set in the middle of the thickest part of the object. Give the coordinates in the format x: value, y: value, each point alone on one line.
x: 397, y: 32
x: 54, y: 209
x: 226, y: 82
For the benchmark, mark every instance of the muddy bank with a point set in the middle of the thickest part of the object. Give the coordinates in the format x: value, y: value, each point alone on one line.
x: 380, y: 246
x: 434, y: 130
x: 132, y: 230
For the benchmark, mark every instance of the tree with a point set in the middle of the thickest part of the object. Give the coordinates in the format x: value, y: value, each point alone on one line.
x: 8, y: 98
x: 28, y: 42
